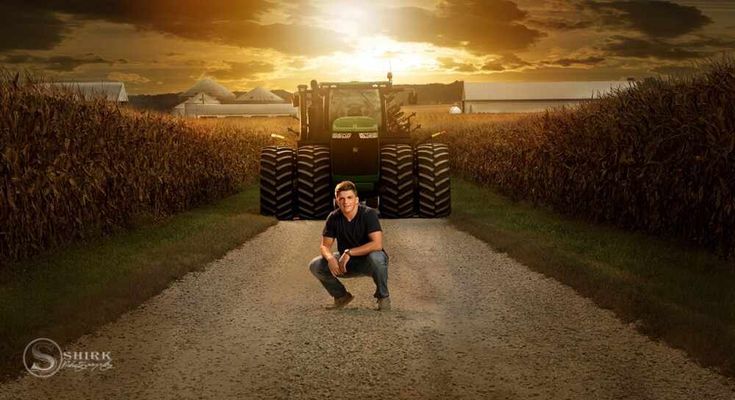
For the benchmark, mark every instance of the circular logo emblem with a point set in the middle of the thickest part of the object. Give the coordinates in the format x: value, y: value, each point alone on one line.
x: 42, y: 357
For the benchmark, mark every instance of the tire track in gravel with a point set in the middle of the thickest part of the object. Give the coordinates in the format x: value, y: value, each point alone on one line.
x: 467, y: 322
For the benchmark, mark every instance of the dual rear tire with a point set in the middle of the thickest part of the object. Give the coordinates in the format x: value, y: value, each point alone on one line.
x: 313, y: 182
x: 295, y: 182
x: 434, y: 195
x: 412, y: 181
x: 415, y: 181
x: 396, y: 181
x: 277, y: 172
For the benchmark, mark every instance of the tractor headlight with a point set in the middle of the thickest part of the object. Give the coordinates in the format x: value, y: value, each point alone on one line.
x: 341, y: 135
x: 368, y: 135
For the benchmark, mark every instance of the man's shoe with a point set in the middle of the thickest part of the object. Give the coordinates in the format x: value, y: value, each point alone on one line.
x: 384, y: 304
x: 340, y: 302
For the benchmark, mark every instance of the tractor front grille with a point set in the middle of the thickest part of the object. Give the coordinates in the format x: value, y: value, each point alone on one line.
x: 355, y: 156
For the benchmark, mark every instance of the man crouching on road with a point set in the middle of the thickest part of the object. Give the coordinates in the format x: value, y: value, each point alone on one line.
x: 360, y: 244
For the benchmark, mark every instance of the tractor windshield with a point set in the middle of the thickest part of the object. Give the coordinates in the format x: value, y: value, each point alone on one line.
x: 355, y: 103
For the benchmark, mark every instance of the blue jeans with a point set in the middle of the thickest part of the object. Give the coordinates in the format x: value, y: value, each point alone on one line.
x: 374, y: 264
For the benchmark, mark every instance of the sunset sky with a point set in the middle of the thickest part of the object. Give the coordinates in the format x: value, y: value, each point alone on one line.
x: 165, y: 46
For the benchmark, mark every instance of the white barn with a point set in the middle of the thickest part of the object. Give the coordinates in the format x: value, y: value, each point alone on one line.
x: 505, y: 97
x: 199, y: 98
x: 108, y: 90
x: 209, y: 99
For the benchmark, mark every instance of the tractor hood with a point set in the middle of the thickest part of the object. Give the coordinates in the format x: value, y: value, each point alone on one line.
x: 355, y: 124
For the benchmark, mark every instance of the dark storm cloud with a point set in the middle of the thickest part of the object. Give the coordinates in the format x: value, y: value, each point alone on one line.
x: 28, y: 28
x: 159, y: 12
x: 220, y: 21
x: 650, y: 48
x: 511, y: 61
x: 657, y: 19
x: 55, y: 63
x: 722, y: 42
x: 478, y: 26
x: 566, y: 62
x: 240, y: 70
x: 558, y: 24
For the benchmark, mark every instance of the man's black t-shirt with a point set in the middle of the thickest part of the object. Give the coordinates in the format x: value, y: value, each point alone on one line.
x: 350, y: 234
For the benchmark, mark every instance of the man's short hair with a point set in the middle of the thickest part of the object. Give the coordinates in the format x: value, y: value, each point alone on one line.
x: 345, y: 186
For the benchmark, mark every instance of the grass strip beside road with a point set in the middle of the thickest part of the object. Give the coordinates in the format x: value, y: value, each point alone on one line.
x: 66, y: 293
x: 671, y: 291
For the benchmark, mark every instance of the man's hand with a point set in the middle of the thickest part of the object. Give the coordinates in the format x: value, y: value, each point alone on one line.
x: 334, y: 266
x: 343, y: 260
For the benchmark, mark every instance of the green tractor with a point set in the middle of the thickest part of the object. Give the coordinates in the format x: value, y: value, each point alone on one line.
x: 352, y: 131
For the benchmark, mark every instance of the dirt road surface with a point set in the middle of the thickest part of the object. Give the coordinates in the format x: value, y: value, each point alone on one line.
x: 467, y: 322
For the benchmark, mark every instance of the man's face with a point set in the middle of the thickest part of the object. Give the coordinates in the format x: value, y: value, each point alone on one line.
x: 347, y: 201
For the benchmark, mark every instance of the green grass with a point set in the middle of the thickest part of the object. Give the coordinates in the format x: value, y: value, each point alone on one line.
x: 67, y: 292
x: 673, y: 292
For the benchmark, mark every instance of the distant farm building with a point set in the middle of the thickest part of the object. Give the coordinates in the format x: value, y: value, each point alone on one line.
x: 495, y: 97
x: 110, y: 91
x: 199, y: 98
x: 211, y: 88
x: 259, y: 96
x: 216, y: 101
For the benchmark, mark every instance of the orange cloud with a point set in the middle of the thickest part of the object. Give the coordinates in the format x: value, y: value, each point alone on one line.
x: 478, y: 26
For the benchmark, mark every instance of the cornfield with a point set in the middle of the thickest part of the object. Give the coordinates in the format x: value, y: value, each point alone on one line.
x: 656, y: 157
x: 71, y: 168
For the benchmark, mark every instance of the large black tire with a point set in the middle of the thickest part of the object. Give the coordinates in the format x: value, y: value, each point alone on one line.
x: 434, y: 186
x: 396, y: 181
x: 313, y: 182
x: 277, y: 173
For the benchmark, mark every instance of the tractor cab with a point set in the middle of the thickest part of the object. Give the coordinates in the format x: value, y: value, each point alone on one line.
x: 354, y: 106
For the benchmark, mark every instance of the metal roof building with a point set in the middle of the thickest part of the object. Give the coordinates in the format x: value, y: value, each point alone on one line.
x: 211, y: 88
x: 259, y: 96
x: 194, y: 110
x: 108, y: 90
x: 209, y: 99
x: 199, y: 98
x: 501, y: 97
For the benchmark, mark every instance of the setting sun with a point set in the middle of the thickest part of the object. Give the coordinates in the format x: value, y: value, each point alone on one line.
x: 376, y: 55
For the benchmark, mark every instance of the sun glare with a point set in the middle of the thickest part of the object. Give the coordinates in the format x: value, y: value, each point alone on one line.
x: 351, y: 18
x: 373, y: 56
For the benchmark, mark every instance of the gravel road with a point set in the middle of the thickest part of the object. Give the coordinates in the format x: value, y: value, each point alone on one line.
x: 467, y: 322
